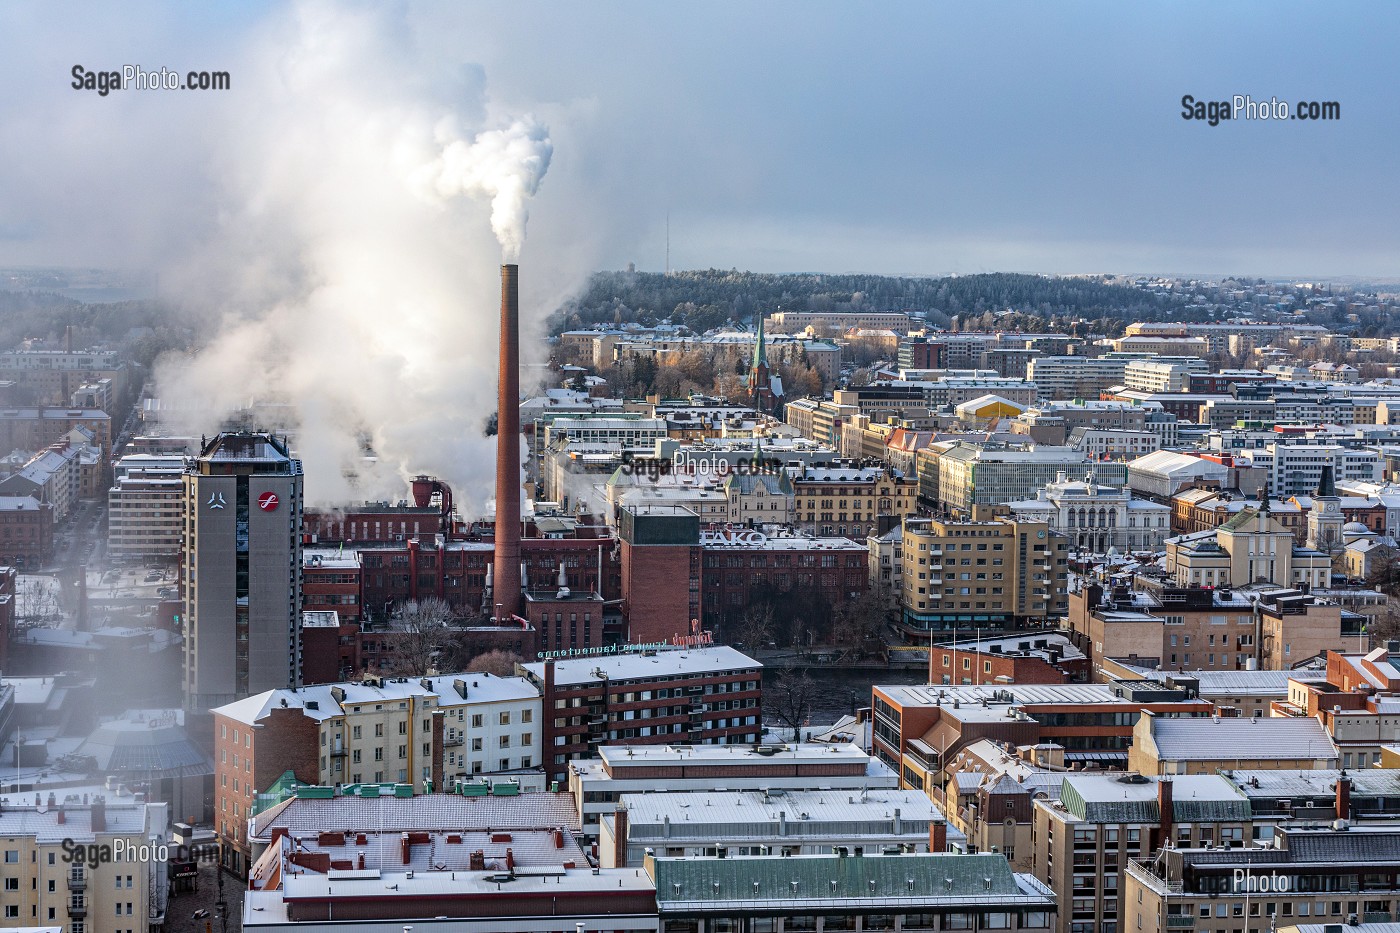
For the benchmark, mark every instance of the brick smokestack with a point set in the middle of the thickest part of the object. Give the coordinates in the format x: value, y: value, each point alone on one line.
x: 506, y: 571
x: 1344, y: 797
x: 938, y: 836
x: 438, y: 742
x: 620, y: 839
x: 1166, y: 809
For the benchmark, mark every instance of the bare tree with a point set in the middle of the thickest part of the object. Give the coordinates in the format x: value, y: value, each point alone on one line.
x: 420, y: 632
x: 862, y: 623
x: 498, y: 662
x: 754, y: 627
x: 790, y: 699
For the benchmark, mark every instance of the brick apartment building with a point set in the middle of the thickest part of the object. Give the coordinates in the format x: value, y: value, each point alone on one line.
x: 26, y: 531
x: 702, y: 696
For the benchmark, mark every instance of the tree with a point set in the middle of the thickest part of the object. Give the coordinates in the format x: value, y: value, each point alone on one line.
x: 791, y: 699
x: 498, y: 662
x: 862, y: 623
x: 420, y: 632
x: 754, y: 627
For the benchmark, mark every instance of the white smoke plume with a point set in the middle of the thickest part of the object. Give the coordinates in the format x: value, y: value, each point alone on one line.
x: 358, y: 288
x: 505, y: 165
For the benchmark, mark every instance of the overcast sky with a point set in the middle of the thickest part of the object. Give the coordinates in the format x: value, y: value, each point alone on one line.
x: 876, y: 137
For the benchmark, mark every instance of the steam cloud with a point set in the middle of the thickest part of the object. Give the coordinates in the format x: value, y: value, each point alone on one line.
x: 505, y: 165
x: 357, y: 287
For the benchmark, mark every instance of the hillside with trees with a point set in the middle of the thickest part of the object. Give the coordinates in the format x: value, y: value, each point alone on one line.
x: 711, y: 298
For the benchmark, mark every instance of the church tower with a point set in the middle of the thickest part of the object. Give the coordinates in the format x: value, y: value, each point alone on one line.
x: 765, y: 389
x: 1325, y: 518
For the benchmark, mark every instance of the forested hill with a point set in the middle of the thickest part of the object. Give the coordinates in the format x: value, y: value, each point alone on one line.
x: 712, y: 297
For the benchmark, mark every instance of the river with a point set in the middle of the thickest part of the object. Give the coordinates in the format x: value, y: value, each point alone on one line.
x: 840, y: 692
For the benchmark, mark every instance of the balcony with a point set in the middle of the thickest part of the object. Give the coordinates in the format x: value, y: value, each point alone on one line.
x: 338, y: 751
x: 77, y: 881
x: 453, y: 739
x: 1180, y: 923
x: 77, y: 908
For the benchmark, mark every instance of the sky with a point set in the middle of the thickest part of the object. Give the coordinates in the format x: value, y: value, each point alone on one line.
x: 343, y: 206
x: 815, y: 136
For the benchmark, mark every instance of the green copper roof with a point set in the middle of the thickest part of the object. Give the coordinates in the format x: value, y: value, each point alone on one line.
x: 831, y: 878
x: 760, y: 347
x: 1195, y: 798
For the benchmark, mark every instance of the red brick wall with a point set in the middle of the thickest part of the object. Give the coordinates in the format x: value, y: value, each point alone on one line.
x: 320, y: 655
x: 247, y: 760
x: 1021, y: 670
x: 657, y: 582
x: 26, y: 537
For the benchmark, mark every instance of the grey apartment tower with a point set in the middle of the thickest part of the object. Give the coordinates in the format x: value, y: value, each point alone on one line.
x: 242, y: 573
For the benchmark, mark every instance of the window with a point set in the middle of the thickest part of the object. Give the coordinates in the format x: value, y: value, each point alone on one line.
x: 505, y: 718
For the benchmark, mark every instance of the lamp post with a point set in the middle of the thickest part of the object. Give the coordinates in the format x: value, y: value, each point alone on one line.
x: 221, y: 905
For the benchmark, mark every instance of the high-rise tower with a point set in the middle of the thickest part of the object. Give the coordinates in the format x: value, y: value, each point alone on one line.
x: 242, y: 603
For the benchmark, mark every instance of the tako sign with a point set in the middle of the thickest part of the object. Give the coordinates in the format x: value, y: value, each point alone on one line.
x: 727, y: 535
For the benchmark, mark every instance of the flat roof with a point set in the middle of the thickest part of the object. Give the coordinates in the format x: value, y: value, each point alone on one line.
x: 996, y: 694
x: 759, y: 814
x: 310, y: 816
x: 645, y: 665
x: 617, y: 756
x: 1230, y: 738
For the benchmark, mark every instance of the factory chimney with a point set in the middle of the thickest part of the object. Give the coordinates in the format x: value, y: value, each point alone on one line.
x: 507, y: 548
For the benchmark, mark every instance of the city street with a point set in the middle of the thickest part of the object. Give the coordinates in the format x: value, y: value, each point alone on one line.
x: 179, y: 916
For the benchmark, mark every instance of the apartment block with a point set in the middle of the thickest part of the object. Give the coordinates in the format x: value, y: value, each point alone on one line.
x: 45, y: 886
x: 429, y: 732
x: 846, y: 499
x: 146, y: 508
x: 1085, y: 839
x: 704, y: 696
x: 1343, y: 876
x: 997, y: 574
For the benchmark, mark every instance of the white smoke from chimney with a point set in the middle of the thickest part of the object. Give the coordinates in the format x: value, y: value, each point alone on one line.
x: 358, y: 296
x: 505, y: 165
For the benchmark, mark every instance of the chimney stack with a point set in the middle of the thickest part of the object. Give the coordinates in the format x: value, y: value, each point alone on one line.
x: 937, y: 836
x: 507, y: 545
x: 1343, y: 797
x: 620, y: 830
x: 439, y: 742
x: 1166, y: 810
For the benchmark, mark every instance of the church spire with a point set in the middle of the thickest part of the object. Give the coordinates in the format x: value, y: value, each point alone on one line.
x: 760, y: 347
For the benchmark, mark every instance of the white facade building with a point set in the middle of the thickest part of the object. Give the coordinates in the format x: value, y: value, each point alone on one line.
x: 1296, y: 469
x: 145, y: 507
x: 1097, y: 518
